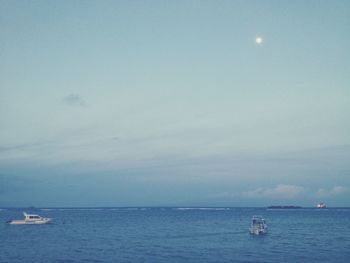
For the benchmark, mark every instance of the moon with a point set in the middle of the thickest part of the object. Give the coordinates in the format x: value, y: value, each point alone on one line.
x: 258, y: 40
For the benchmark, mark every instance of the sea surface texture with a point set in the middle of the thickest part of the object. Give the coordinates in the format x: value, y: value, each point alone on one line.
x: 176, y: 235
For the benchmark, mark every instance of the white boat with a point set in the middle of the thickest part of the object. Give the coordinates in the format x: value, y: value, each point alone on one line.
x: 321, y: 205
x: 258, y: 226
x: 30, y: 219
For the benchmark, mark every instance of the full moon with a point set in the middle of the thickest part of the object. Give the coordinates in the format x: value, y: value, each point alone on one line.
x: 258, y: 40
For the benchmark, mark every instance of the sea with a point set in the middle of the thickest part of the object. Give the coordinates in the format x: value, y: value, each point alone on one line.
x: 176, y: 234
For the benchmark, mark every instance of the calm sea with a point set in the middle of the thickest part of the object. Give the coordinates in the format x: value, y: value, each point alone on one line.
x: 176, y: 235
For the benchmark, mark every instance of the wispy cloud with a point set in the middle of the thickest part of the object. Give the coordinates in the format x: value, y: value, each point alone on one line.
x: 74, y: 100
x: 280, y: 191
x: 24, y: 146
x: 336, y: 190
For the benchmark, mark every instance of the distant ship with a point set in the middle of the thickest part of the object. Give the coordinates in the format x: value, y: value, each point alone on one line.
x: 284, y: 207
x: 321, y: 205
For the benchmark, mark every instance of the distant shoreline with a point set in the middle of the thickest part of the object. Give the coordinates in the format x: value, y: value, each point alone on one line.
x: 169, y: 207
x: 284, y: 207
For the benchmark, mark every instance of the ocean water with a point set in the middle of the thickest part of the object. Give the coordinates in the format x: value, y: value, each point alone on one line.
x: 176, y: 235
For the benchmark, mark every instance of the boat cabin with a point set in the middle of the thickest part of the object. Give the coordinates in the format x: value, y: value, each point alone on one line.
x: 258, y: 226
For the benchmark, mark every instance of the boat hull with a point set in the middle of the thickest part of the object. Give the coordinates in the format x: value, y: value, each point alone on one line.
x: 257, y: 232
x: 25, y: 222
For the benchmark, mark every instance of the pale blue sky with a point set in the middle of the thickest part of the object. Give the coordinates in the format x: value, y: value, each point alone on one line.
x: 132, y: 103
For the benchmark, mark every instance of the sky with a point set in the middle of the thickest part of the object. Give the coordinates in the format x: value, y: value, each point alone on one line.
x: 174, y: 103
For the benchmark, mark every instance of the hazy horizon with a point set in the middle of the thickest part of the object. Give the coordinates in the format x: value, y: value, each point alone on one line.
x: 174, y: 103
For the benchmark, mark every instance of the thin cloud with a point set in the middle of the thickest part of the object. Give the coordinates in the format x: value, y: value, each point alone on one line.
x: 336, y: 190
x: 280, y: 191
x: 24, y: 146
x: 74, y: 100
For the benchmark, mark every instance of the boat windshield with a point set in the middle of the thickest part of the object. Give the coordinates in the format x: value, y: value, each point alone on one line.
x: 258, y: 221
x: 34, y: 217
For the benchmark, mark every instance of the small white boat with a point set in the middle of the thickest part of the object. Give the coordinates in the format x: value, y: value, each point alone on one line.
x: 30, y: 219
x: 258, y: 226
x: 321, y: 205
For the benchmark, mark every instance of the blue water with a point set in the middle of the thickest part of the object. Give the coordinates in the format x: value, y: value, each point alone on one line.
x: 176, y: 235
